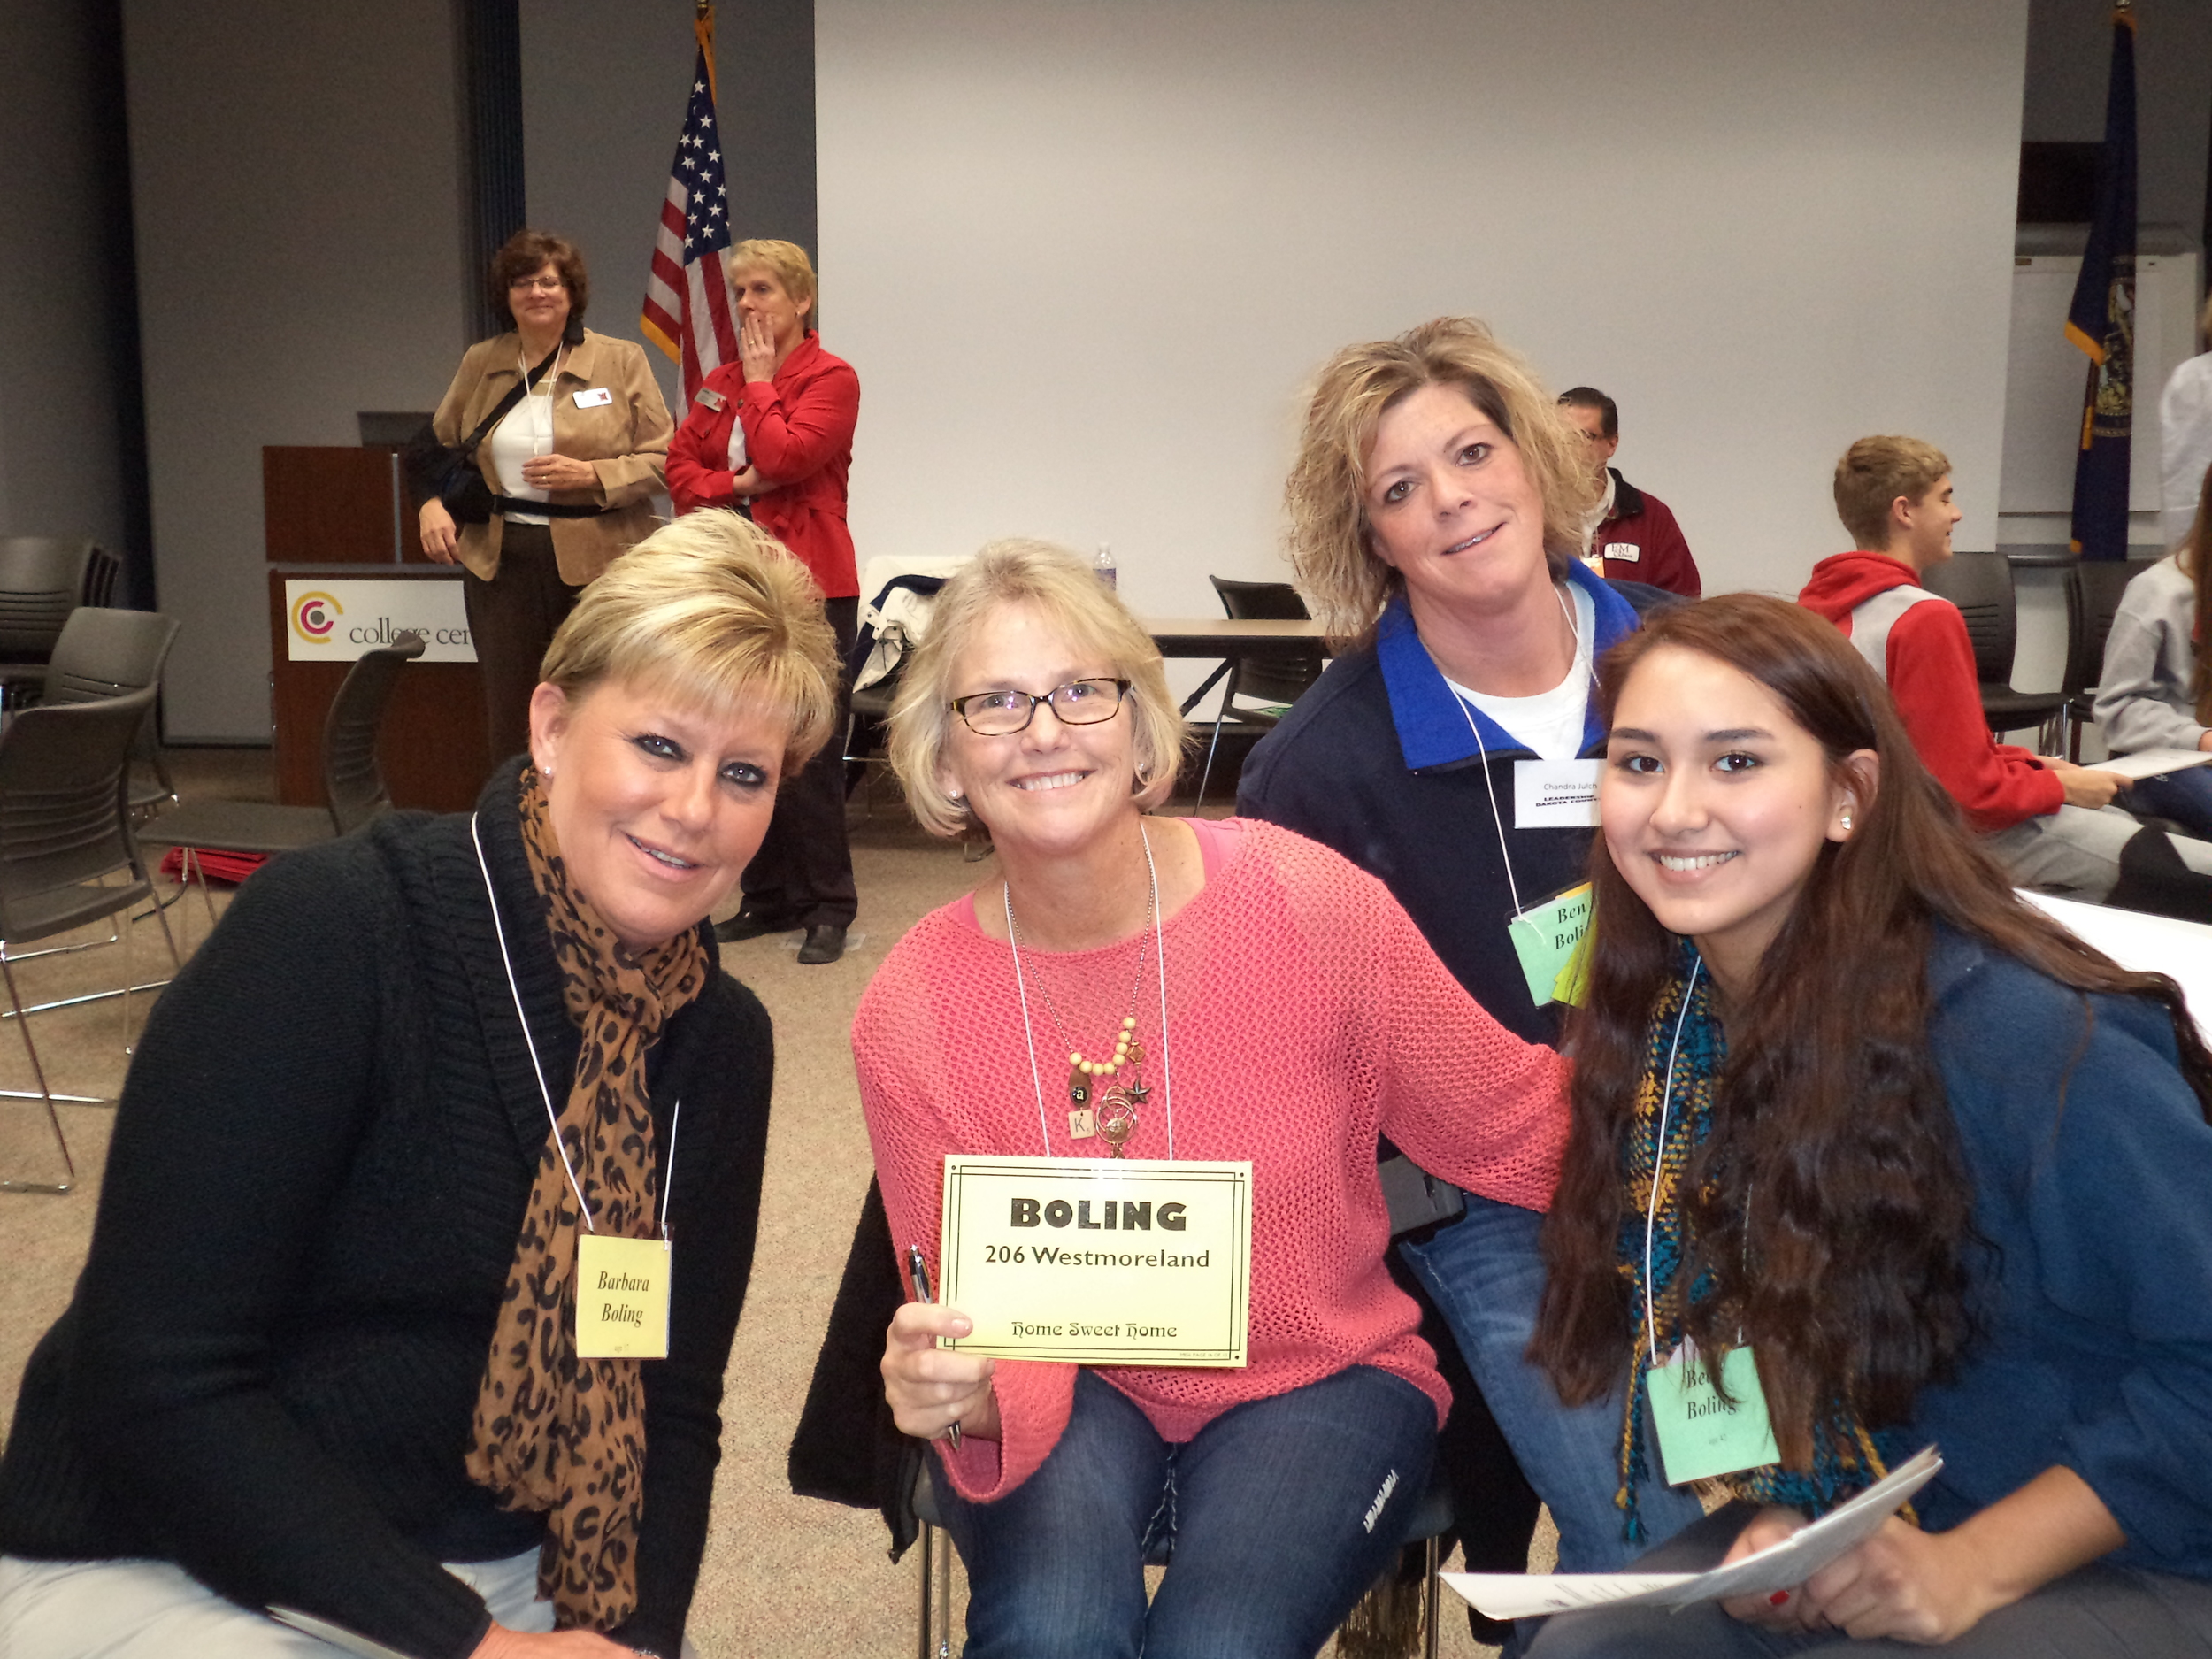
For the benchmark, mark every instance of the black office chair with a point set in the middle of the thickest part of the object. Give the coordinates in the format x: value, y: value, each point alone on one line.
x: 65, y: 836
x: 353, y: 782
x: 1273, y: 676
x: 2104, y: 583
x: 1980, y: 585
x: 103, y: 653
x: 42, y: 580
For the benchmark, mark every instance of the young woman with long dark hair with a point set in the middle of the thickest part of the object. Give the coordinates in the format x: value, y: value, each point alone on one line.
x: 1842, y: 1100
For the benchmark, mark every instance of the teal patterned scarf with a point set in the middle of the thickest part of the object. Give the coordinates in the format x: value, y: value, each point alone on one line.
x: 1846, y: 1458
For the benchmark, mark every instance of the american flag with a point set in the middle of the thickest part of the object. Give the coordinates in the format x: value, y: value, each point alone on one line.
x: 688, y: 296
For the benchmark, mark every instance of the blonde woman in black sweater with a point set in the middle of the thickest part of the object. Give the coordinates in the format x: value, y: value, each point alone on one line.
x: 325, y: 1356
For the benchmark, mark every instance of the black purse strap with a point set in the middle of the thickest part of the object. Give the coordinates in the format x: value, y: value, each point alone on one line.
x: 500, y: 409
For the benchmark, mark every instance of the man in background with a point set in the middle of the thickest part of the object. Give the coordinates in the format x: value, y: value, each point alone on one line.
x: 2052, y: 826
x: 1634, y: 538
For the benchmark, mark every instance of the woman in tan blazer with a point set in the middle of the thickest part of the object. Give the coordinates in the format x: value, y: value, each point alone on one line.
x: 572, y: 469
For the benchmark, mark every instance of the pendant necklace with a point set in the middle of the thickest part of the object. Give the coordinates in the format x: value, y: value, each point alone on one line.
x: 1103, y: 1095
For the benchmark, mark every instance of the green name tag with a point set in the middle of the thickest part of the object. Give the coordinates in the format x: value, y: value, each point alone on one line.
x: 1699, y: 1433
x: 1550, y: 940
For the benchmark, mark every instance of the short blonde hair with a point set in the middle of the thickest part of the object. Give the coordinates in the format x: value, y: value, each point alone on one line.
x: 1059, y: 584
x: 713, y: 611
x: 1345, y: 584
x: 785, y: 261
x: 1874, y: 472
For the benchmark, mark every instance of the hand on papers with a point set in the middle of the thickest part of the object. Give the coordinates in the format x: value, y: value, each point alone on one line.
x: 931, y: 1388
x: 1902, y: 1583
x: 2084, y: 786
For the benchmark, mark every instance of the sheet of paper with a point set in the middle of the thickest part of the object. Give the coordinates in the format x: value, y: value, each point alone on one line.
x: 1099, y: 1261
x: 2152, y: 763
x: 336, y: 1635
x: 2154, y: 944
x: 1784, y: 1566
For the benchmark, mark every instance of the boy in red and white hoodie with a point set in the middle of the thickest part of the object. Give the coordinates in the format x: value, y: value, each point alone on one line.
x: 2052, y: 823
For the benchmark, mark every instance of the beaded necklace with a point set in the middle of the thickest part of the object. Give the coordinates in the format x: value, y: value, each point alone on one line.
x: 1108, y: 1111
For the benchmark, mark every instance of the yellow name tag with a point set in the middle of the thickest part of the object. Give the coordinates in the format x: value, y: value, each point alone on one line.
x: 1099, y: 1261
x: 621, y: 1298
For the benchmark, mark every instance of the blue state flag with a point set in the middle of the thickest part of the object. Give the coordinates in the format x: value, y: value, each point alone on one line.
x: 2102, y: 319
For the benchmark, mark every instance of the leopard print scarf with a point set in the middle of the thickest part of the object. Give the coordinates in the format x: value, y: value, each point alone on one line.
x: 553, y: 1433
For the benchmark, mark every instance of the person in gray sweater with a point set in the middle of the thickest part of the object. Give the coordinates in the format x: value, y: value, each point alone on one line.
x: 2155, y: 692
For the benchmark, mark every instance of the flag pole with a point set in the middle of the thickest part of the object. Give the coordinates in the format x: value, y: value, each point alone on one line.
x: 702, y: 25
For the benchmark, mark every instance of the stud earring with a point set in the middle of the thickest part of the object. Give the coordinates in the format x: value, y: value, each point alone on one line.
x: 1846, y: 823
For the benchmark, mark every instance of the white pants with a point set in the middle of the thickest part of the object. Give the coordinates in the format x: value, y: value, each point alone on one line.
x: 153, y: 1610
x: 2075, y: 852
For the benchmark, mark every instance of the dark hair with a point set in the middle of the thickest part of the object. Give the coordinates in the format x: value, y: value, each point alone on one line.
x: 523, y: 254
x: 1590, y: 397
x: 1833, y: 1163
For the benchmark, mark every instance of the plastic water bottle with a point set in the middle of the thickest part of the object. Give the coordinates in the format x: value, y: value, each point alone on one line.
x: 1102, y: 566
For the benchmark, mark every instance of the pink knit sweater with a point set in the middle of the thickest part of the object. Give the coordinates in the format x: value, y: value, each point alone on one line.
x: 1306, y: 1015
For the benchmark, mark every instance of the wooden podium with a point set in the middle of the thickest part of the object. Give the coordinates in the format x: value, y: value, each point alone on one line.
x: 334, y: 513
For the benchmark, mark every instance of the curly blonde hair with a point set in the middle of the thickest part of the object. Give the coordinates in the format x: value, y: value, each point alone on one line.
x: 1345, y: 584
x: 1059, y: 584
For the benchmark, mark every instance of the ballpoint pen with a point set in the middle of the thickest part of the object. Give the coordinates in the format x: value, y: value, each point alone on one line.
x: 919, y: 1270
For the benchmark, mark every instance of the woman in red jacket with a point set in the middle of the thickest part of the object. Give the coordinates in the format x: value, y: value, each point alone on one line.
x: 772, y: 434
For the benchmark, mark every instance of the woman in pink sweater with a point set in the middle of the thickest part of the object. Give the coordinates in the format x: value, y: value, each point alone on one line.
x: 1265, y: 1000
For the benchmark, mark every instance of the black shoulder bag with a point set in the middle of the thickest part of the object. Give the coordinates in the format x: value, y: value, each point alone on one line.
x: 449, y: 474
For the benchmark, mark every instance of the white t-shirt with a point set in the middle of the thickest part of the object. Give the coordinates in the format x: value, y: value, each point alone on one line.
x: 1549, y: 723
x: 2185, y: 419
x: 527, y: 431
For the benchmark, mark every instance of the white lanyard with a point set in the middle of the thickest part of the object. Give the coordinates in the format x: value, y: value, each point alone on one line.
x: 530, y: 395
x: 675, y: 1112
x: 1029, y: 1035
x: 1659, y: 1159
x: 1496, y: 818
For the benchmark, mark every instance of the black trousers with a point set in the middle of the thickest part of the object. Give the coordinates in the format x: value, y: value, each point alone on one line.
x: 803, y: 875
x: 513, y: 618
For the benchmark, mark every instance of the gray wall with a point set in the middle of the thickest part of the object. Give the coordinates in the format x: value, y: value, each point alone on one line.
x: 603, y: 90
x: 297, y: 218
x: 67, y: 416
x: 297, y: 182
x: 2070, y: 51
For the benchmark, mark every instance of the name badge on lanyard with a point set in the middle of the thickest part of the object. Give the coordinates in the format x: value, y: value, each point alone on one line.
x: 1555, y: 793
x: 622, y: 1297
x: 1703, y: 1434
x: 1551, y: 940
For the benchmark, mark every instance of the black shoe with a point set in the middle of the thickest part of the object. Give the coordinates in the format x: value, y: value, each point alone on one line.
x: 744, y: 926
x: 825, y: 942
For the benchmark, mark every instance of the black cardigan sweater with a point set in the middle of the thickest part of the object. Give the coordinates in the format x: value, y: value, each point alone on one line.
x: 317, y: 1176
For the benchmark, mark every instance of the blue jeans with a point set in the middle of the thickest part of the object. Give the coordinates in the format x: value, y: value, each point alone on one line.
x: 2184, y: 796
x: 1486, y: 1273
x: 1279, y: 1514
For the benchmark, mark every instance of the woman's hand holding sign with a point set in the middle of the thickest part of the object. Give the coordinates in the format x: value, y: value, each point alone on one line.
x: 931, y: 1389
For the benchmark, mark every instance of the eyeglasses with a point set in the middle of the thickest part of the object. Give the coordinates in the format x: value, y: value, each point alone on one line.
x: 542, y: 284
x: 1003, y: 713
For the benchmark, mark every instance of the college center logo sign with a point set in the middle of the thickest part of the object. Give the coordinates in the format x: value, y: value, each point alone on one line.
x: 334, y: 618
x: 315, y: 617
